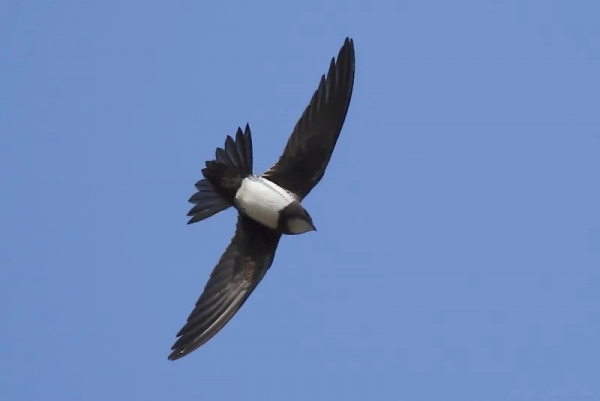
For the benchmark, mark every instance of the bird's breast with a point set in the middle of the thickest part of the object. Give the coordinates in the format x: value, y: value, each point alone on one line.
x: 262, y: 200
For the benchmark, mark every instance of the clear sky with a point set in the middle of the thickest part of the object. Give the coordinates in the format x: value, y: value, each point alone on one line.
x: 458, y: 250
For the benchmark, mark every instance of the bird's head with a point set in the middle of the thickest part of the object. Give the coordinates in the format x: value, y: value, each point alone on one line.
x: 296, y: 220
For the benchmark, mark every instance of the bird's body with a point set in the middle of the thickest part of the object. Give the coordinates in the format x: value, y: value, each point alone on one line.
x: 262, y: 200
x: 268, y: 205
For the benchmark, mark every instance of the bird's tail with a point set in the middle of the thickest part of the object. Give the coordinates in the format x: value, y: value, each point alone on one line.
x: 237, y: 155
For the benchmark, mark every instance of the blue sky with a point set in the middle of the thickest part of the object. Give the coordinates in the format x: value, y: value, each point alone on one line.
x: 458, y: 250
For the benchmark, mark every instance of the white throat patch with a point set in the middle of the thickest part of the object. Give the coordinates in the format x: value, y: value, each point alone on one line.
x: 299, y: 226
x: 262, y: 200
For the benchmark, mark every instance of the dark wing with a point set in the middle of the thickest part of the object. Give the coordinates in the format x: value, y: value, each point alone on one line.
x: 240, y: 269
x: 311, y: 144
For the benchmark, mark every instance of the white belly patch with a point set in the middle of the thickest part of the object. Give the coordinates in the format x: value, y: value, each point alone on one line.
x: 262, y: 200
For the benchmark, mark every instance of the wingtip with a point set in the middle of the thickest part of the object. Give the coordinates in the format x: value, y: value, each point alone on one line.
x: 177, y: 354
x: 349, y: 46
x: 183, y: 347
x: 179, y: 350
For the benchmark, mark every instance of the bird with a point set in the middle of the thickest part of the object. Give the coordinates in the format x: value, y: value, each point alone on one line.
x: 268, y: 205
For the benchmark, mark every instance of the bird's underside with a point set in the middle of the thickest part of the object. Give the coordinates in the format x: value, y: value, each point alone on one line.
x: 298, y: 170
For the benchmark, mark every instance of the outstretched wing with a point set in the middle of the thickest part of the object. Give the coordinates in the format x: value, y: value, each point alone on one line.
x: 240, y: 269
x: 311, y: 144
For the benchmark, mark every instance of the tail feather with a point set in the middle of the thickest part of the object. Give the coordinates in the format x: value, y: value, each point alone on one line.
x: 236, y: 155
x: 243, y: 143
x: 207, y: 202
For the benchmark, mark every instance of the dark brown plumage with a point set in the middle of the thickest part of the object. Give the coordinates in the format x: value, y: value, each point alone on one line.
x: 315, y: 135
x: 252, y: 249
x: 240, y: 269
